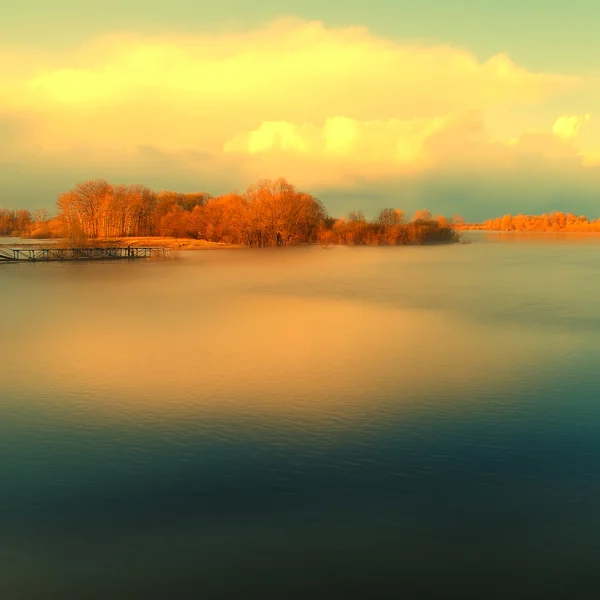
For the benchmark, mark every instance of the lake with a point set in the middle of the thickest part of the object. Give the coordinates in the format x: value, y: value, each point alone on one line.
x: 309, y: 422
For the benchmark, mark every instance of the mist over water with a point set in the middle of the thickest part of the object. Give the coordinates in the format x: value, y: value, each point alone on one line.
x: 343, y: 422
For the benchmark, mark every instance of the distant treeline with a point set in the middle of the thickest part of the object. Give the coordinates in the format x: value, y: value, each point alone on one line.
x: 22, y: 223
x: 554, y: 221
x: 268, y: 213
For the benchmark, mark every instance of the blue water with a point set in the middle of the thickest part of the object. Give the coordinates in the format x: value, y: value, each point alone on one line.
x: 345, y: 422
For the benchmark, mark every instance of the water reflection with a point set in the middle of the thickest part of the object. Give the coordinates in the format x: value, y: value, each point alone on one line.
x: 417, y: 421
x: 219, y: 343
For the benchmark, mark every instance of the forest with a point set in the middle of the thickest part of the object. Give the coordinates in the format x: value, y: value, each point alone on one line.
x: 269, y: 213
x: 22, y: 223
x: 553, y: 221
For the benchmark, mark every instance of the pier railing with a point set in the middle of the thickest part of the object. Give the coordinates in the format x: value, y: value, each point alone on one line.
x: 8, y: 254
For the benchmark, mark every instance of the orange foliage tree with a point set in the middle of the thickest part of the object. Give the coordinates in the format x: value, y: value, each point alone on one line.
x: 268, y: 213
x: 554, y: 221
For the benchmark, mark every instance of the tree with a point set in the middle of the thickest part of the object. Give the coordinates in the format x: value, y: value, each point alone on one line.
x: 280, y: 215
x: 422, y: 215
x: 84, y: 206
x: 458, y: 221
x: 390, y: 217
x: 506, y: 223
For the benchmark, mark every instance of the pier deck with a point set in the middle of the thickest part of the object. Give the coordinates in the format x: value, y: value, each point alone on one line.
x: 34, y: 254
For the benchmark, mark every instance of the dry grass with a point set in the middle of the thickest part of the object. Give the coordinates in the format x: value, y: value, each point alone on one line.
x: 174, y: 244
x: 164, y: 242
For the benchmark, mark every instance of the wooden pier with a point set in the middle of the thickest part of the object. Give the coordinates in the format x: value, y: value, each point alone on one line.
x: 34, y: 254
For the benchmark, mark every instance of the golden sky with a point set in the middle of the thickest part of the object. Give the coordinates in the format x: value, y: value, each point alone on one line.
x: 358, y: 117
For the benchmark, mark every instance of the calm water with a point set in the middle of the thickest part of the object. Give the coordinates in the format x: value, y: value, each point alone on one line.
x: 351, y: 422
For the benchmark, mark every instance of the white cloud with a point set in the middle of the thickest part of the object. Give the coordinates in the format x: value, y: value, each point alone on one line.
x: 341, y: 150
x: 200, y: 91
x: 321, y: 106
x: 567, y: 127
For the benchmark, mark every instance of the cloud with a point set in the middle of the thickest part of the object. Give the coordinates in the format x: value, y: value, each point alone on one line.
x: 294, y: 67
x: 342, y: 150
x: 567, y: 127
x: 393, y: 143
x: 333, y: 108
x: 193, y: 91
x: 591, y: 159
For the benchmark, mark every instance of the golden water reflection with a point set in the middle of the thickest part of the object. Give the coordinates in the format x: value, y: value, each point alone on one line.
x: 271, y: 354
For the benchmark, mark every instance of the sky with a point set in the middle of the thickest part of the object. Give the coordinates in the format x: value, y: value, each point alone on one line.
x: 459, y: 106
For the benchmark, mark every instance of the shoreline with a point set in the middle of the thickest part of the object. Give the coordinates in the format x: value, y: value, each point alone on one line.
x: 189, y: 244
x: 521, y: 232
x: 135, y: 242
x: 167, y: 242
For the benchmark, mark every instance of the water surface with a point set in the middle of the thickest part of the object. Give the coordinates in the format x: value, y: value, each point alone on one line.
x: 348, y: 422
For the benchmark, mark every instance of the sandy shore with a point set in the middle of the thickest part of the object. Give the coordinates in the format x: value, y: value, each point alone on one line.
x: 136, y: 242
x: 165, y: 242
